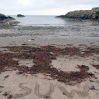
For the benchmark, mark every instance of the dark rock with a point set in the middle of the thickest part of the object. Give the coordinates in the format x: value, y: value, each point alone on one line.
x: 5, y: 20
x: 11, y: 18
x: 92, y: 14
x: 20, y: 15
x: 3, y: 17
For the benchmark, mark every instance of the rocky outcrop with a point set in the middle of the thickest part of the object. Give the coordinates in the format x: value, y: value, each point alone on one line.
x: 92, y: 14
x: 7, y: 20
x: 20, y: 15
x: 3, y: 17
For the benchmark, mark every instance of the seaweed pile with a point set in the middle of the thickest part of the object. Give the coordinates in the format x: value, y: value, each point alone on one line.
x: 42, y: 58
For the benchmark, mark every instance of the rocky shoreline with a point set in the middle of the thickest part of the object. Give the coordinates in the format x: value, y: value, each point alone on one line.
x: 4, y: 18
x: 92, y: 14
x: 7, y: 20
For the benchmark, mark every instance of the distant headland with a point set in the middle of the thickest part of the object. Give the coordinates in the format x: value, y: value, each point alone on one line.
x: 92, y: 14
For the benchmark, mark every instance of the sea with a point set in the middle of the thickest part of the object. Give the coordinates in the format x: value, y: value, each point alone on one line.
x: 44, y: 20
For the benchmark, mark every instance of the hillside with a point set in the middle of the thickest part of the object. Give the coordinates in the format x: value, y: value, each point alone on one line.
x: 92, y: 14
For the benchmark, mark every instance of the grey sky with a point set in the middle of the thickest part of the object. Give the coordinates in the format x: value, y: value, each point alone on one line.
x: 44, y: 7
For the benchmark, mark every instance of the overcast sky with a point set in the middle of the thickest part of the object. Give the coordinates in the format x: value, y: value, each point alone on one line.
x: 44, y: 7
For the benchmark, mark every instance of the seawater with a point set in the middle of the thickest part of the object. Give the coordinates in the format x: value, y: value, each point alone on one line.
x: 44, y: 20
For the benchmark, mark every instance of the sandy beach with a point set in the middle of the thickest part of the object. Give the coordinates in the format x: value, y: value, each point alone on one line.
x: 51, y: 62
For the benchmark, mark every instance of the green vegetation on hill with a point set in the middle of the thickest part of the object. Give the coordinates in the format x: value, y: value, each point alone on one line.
x: 92, y: 14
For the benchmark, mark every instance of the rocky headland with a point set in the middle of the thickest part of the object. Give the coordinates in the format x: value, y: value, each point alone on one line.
x: 92, y: 14
x: 7, y: 20
x: 3, y: 18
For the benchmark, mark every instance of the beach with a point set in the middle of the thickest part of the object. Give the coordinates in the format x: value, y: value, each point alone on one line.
x: 49, y: 62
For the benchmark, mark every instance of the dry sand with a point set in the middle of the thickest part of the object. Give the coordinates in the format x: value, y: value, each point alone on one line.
x: 52, y: 88
x: 39, y: 86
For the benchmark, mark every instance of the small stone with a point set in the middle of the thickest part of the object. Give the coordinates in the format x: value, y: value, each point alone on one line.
x: 92, y: 88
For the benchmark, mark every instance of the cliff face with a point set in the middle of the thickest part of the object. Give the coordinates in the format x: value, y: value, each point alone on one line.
x: 92, y: 14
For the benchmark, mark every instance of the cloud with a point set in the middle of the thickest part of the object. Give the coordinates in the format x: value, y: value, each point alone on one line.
x: 44, y: 6
x: 25, y: 2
